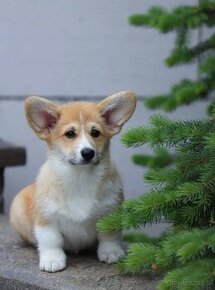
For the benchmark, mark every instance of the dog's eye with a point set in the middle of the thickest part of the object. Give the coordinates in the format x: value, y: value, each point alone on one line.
x: 70, y: 134
x: 95, y: 133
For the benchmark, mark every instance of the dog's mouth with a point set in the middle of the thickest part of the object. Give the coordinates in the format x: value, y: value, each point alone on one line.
x: 84, y: 162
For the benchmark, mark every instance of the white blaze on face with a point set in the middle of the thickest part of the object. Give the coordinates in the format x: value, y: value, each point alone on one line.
x: 83, y: 141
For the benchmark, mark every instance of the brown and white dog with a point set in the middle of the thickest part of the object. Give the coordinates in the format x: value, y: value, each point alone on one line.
x: 78, y: 184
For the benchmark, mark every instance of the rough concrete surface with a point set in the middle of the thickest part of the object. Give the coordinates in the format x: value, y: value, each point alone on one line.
x: 19, y: 270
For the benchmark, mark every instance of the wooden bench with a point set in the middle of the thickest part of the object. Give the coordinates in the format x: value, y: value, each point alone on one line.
x: 10, y: 155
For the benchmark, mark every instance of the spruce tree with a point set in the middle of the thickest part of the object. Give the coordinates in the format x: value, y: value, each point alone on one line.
x: 182, y: 168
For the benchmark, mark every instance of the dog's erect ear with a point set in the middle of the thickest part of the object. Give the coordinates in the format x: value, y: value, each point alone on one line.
x: 42, y: 115
x: 117, y: 109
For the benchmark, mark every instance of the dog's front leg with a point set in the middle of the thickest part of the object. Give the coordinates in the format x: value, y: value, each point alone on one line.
x: 50, y: 246
x: 110, y: 248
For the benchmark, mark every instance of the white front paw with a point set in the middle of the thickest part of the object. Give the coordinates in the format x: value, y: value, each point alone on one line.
x: 52, y: 261
x: 110, y: 252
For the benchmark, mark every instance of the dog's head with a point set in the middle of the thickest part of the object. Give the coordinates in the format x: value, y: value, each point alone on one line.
x: 79, y: 132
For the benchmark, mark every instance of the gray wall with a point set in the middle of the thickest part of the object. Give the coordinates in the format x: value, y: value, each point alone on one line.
x: 79, y: 48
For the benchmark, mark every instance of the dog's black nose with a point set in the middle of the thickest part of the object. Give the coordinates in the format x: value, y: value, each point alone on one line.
x: 87, y: 154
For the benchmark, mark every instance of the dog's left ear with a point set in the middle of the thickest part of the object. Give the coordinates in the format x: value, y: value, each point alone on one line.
x: 117, y: 109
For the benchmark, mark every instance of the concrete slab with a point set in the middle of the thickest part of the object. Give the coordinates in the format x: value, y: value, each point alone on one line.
x: 19, y: 270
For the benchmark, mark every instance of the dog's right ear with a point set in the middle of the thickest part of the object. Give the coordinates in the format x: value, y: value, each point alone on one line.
x: 42, y: 115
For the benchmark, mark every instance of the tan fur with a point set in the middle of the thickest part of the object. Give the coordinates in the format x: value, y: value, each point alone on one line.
x: 25, y: 209
x: 23, y: 206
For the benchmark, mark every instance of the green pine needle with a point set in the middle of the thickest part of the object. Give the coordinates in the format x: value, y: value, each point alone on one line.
x: 195, y: 275
x: 140, y: 257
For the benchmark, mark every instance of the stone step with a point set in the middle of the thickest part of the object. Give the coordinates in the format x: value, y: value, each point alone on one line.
x: 19, y: 270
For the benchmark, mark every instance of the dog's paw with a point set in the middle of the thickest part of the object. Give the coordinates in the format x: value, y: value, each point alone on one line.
x: 52, y: 266
x: 52, y: 261
x: 110, y: 252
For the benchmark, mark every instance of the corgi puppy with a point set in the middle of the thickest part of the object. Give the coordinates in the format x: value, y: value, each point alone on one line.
x: 78, y: 184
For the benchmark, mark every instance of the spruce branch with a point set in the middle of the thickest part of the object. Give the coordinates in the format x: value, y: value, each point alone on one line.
x: 181, y: 55
x: 183, y: 93
x: 189, y: 245
x: 137, y: 253
x: 139, y: 237
x: 166, y: 21
x: 207, y: 67
x: 182, y: 249
x: 195, y: 275
x: 151, y: 208
x: 160, y: 159
x: 164, y: 132
x: 111, y: 222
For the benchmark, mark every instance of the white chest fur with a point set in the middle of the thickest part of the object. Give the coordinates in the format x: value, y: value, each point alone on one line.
x: 80, y: 192
x: 76, y: 197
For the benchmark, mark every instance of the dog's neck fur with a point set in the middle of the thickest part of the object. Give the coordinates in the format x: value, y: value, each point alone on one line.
x: 79, y: 175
